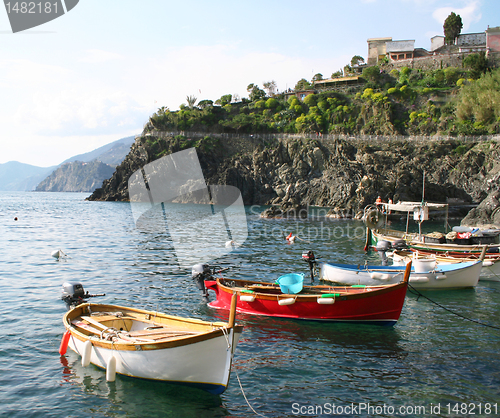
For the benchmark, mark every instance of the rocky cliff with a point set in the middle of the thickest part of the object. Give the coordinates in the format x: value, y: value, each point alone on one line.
x: 345, y: 175
x: 76, y: 177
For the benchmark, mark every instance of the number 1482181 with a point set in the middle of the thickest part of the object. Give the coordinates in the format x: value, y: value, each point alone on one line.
x: 31, y: 7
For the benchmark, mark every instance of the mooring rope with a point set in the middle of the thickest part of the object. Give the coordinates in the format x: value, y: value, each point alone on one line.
x: 243, y: 393
x: 449, y: 310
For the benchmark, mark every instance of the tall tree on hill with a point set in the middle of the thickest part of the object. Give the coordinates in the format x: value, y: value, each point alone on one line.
x: 452, y: 28
x: 270, y: 87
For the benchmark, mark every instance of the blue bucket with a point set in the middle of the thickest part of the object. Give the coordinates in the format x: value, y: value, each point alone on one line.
x: 291, y: 283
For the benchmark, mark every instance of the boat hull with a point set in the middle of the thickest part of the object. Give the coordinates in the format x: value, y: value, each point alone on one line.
x: 203, y: 360
x: 460, y: 275
x: 489, y: 272
x: 381, y: 305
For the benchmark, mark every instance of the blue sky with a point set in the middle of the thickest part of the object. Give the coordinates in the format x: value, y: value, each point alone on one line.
x: 95, y: 74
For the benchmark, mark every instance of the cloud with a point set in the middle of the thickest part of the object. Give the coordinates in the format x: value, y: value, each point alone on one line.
x: 471, y: 13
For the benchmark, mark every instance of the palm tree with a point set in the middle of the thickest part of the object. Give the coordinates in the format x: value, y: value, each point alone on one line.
x: 191, y: 100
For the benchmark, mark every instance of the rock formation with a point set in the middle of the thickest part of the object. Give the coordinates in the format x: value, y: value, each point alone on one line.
x: 345, y: 175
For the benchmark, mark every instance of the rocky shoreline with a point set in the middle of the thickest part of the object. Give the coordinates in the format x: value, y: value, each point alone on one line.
x: 344, y: 175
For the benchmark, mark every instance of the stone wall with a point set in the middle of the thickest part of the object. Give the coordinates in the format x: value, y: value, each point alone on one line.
x: 427, y: 63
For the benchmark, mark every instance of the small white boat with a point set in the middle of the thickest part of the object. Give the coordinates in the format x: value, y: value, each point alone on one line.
x: 153, y: 345
x: 489, y: 272
x: 425, y: 274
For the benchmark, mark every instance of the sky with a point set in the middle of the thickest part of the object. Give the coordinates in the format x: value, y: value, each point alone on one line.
x: 96, y: 74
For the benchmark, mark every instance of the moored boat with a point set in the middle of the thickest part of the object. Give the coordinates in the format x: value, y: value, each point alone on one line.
x: 152, y: 345
x: 465, y: 241
x: 490, y: 270
x: 425, y: 274
x: 363, y: 304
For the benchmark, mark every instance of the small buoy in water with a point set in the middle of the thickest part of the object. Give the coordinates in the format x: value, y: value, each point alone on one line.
x: 58, y: 254
x: 15, y: 218
x: 232, y: 244
x: 290, y: 238
x: 111, y: 369
x: 64, y: 343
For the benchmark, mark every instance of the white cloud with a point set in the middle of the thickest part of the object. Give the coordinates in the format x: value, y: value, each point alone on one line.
x: 471, y: 13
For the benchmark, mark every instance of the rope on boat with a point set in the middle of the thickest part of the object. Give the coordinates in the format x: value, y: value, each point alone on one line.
x: 416, y: 292
x: 243, y: 393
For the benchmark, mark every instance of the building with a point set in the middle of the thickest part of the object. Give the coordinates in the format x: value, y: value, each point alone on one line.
x: 377, y: 49
x: 339, y: 83
x: 493, y: 40
x: 467, y: 43
x: 400, y: 50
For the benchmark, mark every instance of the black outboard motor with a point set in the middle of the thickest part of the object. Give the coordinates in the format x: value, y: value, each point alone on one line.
x: 382, y: 247
x: 200, y: 273
x: 399, y: 244
x: 310, y: 258
x: 73, y: 294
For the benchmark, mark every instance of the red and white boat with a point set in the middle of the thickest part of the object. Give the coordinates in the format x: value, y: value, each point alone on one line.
x: 363, y: 304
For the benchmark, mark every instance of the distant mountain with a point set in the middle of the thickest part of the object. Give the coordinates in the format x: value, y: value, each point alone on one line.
x: 15, y: 176
x: 76, y: 176
x: 111, y: 154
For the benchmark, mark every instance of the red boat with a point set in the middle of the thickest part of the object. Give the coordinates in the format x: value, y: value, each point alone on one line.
x: 366, y: 304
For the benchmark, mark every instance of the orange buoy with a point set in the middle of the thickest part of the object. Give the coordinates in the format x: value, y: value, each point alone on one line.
x: 64, y: 343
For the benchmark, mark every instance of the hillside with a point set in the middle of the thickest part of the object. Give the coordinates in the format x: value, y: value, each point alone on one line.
x: 76, y: 176
x: 445, y: 102
x: 16, y: 176
x: 344, y: 175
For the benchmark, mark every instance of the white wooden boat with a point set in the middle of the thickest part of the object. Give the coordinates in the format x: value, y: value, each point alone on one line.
x: 425, y: 274
x: 489, y: 272
x: 153, y: 345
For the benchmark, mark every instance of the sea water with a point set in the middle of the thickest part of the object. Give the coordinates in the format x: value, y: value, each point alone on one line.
x: 431, y: 363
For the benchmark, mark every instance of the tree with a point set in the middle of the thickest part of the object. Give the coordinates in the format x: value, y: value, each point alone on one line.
x: 191, y: 100
x: 302, y: 84
x: 371, y: 74
x: 256, y: 93
x: 317, y: 77
x: 224, y: 100
x: 336, y: 74
x: 270, y: 87
x: 357, y: 60
x: 452, y: 28
x: 478, y: 64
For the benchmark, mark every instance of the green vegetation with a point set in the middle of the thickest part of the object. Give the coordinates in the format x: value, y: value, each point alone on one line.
x: 448, y: 101
x: 452, y: 28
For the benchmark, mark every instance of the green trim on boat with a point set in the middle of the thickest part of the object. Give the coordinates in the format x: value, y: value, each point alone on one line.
x: 330, y: 295
x: 246, y: 291
x: 359, y: 285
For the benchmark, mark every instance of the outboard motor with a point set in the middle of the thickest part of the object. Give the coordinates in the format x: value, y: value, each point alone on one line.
x: 399, y: 244
x: 73, y: 294
x: 200, y: 273
x: 310, y: 258
x: 382, y: 247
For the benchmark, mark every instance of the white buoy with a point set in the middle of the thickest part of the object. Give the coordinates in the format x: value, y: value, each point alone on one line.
x: 87, y: 352
x: 287, y: 301
x: 325, y: 301
x: 111, y: 369
x: 58, y: 254
x: 247, y: 298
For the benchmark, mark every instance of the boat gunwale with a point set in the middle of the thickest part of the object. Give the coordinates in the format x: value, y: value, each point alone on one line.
x: 219, y: 329
x: 361, y: 293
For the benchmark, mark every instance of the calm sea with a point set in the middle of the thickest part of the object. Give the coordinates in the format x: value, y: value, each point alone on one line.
x: 432, y: 363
